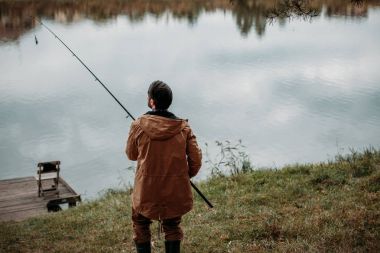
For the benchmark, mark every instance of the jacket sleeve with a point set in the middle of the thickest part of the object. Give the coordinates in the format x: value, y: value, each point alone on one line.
x: 132, y: 148
x: 194, y: 154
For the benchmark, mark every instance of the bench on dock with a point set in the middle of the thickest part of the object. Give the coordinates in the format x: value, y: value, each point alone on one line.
x: 20, y: 198
x: 48, y: 172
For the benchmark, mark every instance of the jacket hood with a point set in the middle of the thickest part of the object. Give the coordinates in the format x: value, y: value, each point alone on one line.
x: 161, y: 128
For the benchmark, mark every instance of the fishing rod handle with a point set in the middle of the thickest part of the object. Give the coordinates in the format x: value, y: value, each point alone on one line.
x: 201, y: 194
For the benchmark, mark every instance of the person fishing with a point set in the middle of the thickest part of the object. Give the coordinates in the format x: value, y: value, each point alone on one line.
x: 167, y: 156
x: 167, y: 152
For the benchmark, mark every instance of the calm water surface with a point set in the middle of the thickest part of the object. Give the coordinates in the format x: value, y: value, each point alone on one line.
x: 297, y: 91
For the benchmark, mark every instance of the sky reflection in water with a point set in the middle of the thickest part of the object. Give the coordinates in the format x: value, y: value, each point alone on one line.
x: 301, y: 93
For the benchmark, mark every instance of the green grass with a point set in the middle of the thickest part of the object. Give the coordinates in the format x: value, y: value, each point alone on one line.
x: 324, y: 207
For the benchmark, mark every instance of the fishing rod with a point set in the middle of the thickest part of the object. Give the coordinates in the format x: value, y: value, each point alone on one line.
x: 109, y: 92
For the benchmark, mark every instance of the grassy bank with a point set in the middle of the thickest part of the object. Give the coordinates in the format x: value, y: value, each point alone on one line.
x: 332, y: 206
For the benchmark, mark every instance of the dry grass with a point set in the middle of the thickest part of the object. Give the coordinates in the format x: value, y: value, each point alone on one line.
x: 332, y: 207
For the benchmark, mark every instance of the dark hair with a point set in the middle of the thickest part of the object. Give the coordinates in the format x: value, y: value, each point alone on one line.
x: 161, y: 93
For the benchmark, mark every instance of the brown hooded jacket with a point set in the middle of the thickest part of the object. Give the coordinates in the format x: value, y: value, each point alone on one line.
x: 167, y: 156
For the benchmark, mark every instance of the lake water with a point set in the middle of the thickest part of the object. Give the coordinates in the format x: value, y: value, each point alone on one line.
x: 295, y: 89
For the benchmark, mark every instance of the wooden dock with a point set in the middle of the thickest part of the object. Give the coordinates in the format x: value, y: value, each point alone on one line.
x: 19, y: 198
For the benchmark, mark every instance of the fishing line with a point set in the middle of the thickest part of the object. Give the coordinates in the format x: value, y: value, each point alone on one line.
x: 105, y: 87
x: 84, y: 65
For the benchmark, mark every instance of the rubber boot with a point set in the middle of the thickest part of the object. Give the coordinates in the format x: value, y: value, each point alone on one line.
x: 143, y: 247
x: 172, y: 246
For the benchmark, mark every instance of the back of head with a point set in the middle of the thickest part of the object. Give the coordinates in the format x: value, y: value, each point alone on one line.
x: 161, y: 93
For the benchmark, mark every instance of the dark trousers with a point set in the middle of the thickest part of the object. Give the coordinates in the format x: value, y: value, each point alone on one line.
x: 141, y: 228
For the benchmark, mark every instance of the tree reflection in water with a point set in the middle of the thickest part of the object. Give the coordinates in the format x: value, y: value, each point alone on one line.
x: 15, y: 15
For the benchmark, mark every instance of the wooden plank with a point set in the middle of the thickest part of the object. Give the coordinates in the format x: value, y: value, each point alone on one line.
x: 34, y: 203
x: 47, y: 176
x: 63, y: 182
x: 19, y: 198
x: 14, y: 202
x: 21, y: 207
x: 18, y: 186
x: 30, y: 194
x: 15, y: 180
